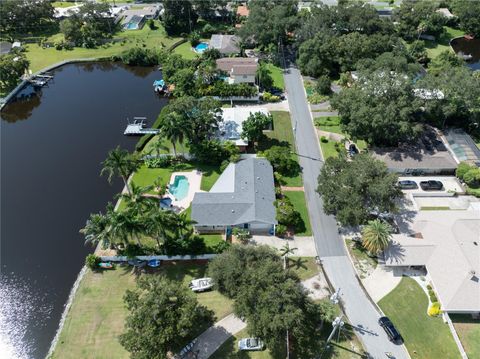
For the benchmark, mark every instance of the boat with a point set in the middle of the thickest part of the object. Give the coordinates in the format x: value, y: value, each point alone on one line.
x: 159, y: 86
x: 154, y: 263
x: 201, y: 284
x: 105, y: 265
x: 137, y: 263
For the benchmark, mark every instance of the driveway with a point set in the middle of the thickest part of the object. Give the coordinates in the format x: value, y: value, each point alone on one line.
x: 361, y: 313
x: 305, y: 245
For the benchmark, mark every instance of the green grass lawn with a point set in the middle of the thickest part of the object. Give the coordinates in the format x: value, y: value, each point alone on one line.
x: 298, y: 200
x: 434, y: 48
x: 304, y: 267
x: 282, y: 135
x: 62, y: 4
x: 146, y: 176
x: 97, y: 315
x: 211, y: 240
x: 428, y: 337
x: 328, y: 149
x: 155, y: 39
x: 329, y: 124
x: 277, y: 75
x: 468, y: 330
x: 186, y: 51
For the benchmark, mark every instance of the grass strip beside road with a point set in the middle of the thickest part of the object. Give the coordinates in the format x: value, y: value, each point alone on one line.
x: 424, y: 336
x: 298, y: 200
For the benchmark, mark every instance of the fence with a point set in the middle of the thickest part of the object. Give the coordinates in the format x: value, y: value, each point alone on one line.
x: 160, y: 257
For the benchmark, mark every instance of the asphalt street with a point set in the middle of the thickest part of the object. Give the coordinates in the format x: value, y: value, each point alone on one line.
x: 361, y: 313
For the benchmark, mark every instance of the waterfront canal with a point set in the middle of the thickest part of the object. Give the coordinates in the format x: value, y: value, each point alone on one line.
x: 51, y: 148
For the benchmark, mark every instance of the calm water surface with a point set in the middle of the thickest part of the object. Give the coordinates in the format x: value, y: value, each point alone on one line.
x: 464, y: 46
x: 51, y: 149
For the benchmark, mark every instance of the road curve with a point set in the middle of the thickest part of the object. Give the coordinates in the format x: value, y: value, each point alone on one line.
x: 361, y: 313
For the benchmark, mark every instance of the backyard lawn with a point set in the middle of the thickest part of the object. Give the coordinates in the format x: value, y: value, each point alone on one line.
x: 282, y: 135
x: 329, y: 124
x: 156, y: 39
x: 434, y: 48
x: 425, y: 337
x: 186, y: 50
x: 97, y: 315
x: 298, y: 200
x: 328, y: 149
x: 468, y: 330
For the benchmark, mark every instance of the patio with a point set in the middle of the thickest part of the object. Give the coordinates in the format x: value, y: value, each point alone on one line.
x: 194, y: 179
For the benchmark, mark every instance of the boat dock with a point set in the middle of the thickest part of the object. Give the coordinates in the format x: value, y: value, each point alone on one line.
x: 138, y: 128
x: 40, y: 80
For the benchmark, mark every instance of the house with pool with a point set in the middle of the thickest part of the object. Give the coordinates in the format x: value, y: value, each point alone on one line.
x: 242, y: 197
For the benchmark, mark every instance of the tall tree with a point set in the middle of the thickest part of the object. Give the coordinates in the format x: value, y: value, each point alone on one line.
x: 417, y: 17
x: 138, y: 200
x: 25, y: 17
x: 179, y: 17
x: 172, y: 127
x: 12, y: 68
x: 376, y: 236
x: 380, y: 108
x: 253, y: 126
x: 96, y: 229
x: 163, y: 316
x: 468, y: 13
x: 119, y: 163
x: 353, y: 190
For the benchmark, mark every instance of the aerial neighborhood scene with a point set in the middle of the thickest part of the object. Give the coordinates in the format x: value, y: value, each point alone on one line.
x: 263, y: 179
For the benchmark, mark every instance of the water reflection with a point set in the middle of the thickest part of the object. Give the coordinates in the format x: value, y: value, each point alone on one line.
x: 52, y: 144
x: 21, y: 109
x: 469, y: 49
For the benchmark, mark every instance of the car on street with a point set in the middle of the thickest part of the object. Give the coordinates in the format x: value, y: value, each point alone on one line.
x: 431, y: 185
x: 407, y: 184
x: 250, y: 344
x: 390, y: 329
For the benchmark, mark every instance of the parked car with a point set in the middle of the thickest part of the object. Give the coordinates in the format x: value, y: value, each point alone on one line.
x: 250, y: 344
x: 201, y: 284
x: 406, y: 184
x: 431, y: 185
x: 390, y: 329
x: 352, y: 149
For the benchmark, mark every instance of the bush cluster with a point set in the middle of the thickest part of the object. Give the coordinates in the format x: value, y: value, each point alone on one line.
x: 470, y: 174
x: 434, y: 309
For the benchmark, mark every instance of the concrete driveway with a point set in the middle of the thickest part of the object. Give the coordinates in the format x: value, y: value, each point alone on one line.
x: 450, y: 183
x: 305, y: 245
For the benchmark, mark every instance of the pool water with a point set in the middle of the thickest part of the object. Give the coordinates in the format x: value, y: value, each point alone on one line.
x: 201, y: 47
x: 179, y: 187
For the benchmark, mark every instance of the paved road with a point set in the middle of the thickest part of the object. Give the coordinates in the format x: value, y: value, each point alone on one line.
x: 360, y: 311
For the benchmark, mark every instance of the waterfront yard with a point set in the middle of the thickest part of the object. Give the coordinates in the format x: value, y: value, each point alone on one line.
x: 434, y: 48
x: 97, y: 315
x: 40, y: 57
x: 186, y: 50
x: 282, y: 135
x: 424, y: 336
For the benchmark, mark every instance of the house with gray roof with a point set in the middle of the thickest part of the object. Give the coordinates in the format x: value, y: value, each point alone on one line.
x: 447, y: 244
x: 242, y: 197
x: 226, y: 44
x: 239, y: 69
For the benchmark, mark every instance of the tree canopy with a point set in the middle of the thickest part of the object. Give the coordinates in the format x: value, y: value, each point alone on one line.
x: 163, y: 316
x: 353, y: 190
x: 25, y: 16
x: 179, y: 16
x: 380, y: 108
x: 468, y: 13
x: 253, y: 126
x: 12, y: 67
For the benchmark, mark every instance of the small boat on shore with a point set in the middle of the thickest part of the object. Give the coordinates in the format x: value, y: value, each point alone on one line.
x: 105, y: 265
x: 137, y: 263
x: 201, y: 284
x: 154, y: 263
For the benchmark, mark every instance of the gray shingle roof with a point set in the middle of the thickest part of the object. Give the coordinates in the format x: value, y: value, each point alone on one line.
x: 251, y: 201
x: 238, y: 65
x: 226, y: 44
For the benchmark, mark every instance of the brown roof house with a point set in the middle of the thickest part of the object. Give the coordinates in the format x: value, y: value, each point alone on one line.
x: 239, y: 69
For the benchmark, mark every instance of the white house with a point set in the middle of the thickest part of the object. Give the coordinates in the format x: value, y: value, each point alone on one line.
x: 239, y: 69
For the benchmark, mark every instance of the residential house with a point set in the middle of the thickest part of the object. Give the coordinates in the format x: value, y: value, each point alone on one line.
x: 227, y: 45
x: 447, y: 244
x: 134, y: 19
x: 242, y: 11
x: 242, y: 197
x: 239, y: 69
x: 6, y: 47
x: 231, y: 126
x: 428, y: 156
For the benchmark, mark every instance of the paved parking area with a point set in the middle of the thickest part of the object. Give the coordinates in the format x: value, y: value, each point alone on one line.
x: 450, y: 183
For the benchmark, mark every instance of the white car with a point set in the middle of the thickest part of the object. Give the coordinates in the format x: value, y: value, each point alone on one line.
x: 250, y: 344
x: 201, y: 284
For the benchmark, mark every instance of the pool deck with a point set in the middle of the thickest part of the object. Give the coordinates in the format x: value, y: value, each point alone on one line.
x: 194, y: 180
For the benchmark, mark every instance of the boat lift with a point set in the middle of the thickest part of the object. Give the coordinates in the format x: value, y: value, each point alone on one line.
x: 138, y: 128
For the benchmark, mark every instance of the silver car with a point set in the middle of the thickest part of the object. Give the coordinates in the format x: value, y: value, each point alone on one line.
x: 250, y: 344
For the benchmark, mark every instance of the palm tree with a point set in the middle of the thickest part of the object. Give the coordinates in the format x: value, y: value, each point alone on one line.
x: 285, y: 251
x: 376, y: 236
x: 96, y: 229
x: 137, y: 200
x: 121, y: 163
x: 160, y: 224
x: 158, y: 146
x: 172, y: 126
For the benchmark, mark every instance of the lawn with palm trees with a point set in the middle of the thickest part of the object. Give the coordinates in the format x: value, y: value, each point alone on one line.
x: 97, y: 315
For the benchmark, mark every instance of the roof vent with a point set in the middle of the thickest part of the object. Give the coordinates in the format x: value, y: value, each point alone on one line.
x: 233, y: 211
x: 475, y: 243
x: 258, y: 178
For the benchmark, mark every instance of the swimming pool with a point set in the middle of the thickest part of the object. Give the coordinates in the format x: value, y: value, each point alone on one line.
x: 179, y: 187
x: 201, y: 47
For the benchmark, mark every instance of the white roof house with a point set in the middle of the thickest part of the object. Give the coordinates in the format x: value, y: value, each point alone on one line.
x: 231, y: 126
x: 447, y: 243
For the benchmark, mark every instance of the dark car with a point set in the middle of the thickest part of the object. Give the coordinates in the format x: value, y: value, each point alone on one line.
x: 406, y: 184
x: 390, y: 329
x: 352, y: 149
x: 431, y: 185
